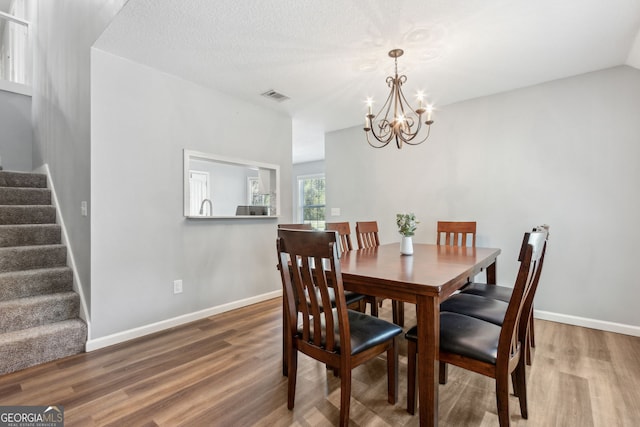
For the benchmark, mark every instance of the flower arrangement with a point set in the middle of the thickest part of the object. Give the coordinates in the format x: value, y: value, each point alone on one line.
x: 407, y: 224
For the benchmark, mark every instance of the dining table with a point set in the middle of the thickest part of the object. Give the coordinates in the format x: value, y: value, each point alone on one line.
x: 426, y: 278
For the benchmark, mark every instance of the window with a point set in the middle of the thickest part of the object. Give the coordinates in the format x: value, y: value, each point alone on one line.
x: 311, y: 200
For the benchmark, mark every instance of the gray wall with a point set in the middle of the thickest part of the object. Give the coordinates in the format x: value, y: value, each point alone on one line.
x: 64, y: 31
x: 142, y: 119
x: 16, y: 137
x: 565, y: 153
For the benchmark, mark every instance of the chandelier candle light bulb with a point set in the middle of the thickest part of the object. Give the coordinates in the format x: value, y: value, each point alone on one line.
x: 420, y: 100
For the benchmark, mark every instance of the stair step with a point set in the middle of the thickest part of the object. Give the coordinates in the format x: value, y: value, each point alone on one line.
x: 29, y: 234
x: 27, y: 214
x: 24, y: 313
x: 38, y: 309
x: 22, y: 179
x: 29, y: 347
x: 24, y: 196
x: 27, y: 283
x: 32, y: 257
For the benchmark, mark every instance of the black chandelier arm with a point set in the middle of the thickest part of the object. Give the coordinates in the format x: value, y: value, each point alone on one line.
x: 417, y: 112
x: 423, y: 140
x: 386, y: 107
x: 410, y: 133
x: 385, y: 131
x: 390, y: 81
x: 383, y: 144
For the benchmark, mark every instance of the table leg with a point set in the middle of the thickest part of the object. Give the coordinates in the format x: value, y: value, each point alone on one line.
x: 428, y: 313
x: 491, y: 273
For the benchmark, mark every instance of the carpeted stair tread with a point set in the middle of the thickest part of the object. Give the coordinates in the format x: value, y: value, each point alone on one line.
x: 26, y: 283
x: 22, y: 179
x: 29, y: 234
x: 39, y: 311
x: 29, y: 257
x: 24, y: 196
x: 29, y: 347
x: 24, y: 313
x: 27, y: 214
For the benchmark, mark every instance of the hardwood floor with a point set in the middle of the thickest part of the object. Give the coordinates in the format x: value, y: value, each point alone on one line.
x: 225, y: 371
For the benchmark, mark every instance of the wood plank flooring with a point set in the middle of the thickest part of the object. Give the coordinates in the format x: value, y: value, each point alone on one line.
x: 225, y: 371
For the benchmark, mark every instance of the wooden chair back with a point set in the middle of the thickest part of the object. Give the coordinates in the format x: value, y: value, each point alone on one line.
x: 367, y: 234
x: 456, y: 233
x: 526, y: 330
x: 295, y: 226
x: 344, y: 232
x: 514, y: 326
x: 309, y: 266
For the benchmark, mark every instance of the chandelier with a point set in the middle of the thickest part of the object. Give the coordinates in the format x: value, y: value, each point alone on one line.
x: 397, y: 120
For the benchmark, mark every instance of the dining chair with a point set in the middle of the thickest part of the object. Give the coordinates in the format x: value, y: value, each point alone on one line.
x: 367, y: 235
x: 494, y: 311
x: 344, y: 233
x: 354, y: 299
x: 456, y: 233
x: 486, y: 348
x: 340, y: 338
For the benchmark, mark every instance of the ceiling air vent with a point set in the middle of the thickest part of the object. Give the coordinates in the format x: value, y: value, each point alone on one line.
x: 272, y: 94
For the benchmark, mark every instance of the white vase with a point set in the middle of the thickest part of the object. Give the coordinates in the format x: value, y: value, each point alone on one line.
x: 406, y: 245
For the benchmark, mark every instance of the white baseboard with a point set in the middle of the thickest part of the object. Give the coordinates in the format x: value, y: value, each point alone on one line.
x: 95, y: 344
x: 77, y: 284
x: 602, y: 325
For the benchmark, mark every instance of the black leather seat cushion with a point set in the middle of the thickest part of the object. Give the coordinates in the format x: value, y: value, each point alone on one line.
x: 352, y: 297
x: 488, y: 309
x: 366, y: 331
x: 502, y: 293
x: 466, y: 336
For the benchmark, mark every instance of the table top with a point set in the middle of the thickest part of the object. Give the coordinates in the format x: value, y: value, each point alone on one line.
x: 431, y: 270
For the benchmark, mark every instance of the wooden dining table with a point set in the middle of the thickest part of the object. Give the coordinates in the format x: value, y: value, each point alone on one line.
x: 426, y: 278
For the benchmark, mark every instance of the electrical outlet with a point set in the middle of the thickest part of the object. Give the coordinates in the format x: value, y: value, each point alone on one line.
x: 177, y: 286
x: 83, y: 208
x: 335, y: 211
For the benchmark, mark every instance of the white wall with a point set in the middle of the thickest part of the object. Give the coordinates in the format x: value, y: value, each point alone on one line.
x: 16, y: 136
x: 63, y: 32
x: 142, y: 119
x: 565, y: 153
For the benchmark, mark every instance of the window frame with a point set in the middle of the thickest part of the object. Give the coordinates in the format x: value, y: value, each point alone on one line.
x: 300, y: 192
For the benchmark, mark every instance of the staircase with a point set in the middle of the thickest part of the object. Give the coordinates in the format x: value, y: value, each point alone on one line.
x: 38, y: 308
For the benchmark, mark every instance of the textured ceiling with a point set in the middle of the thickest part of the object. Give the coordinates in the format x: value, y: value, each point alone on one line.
x: 328, y: 56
